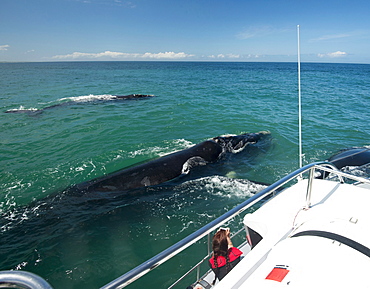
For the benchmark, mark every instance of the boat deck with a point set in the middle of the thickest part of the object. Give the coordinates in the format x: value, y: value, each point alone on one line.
x: 338, y: 209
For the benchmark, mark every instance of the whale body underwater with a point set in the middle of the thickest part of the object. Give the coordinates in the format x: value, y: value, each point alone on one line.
x: 170, y: 166
x: 111, y: 98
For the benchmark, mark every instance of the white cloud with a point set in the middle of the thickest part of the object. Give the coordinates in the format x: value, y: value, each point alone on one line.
x: 4, y: 47
x: 333, y: 54
x: 225, y: 56
x: 253, y: 32
x: 253, y: 56
x: 258, y: 31
x: 122, y: 55
x: 330, y: 37
x: 83, y: 55
x: 233, y: 55
x: 166, y: 55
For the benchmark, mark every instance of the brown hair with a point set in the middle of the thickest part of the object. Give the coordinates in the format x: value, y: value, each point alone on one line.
x: 220, y: 247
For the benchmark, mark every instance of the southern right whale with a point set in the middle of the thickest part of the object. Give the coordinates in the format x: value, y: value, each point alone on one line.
x: 66, y: 223
x: 70, y: 102
x: 351, y: 157
x: 170, y: 166
x: 120, y: 186
x: 354, y: 157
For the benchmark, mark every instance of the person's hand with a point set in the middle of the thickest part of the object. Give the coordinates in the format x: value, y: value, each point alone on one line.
x: 229, y: 243
x: 228, y: 232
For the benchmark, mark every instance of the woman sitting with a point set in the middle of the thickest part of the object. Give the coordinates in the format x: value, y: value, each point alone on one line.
x: 225, y: 256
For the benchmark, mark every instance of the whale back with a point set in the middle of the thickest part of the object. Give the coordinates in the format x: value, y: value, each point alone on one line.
x: 351, y: 157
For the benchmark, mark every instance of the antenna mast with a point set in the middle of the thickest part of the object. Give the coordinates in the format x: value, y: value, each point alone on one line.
x: 299, y: 101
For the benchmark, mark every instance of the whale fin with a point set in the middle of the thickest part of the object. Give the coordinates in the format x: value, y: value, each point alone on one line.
x: 191, y: 163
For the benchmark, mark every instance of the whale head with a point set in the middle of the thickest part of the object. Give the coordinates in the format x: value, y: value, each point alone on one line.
x: 236, y: 143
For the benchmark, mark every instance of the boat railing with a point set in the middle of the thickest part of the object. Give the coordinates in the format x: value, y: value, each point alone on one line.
x: 329, y: 168
x: 180, y: 246
x: 22, y: 279
x: 30, y: 281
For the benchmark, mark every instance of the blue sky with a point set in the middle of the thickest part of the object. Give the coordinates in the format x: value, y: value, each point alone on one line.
x: 191, y: 30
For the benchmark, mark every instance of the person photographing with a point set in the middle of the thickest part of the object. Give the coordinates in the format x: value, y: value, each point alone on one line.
x: 225, y: 255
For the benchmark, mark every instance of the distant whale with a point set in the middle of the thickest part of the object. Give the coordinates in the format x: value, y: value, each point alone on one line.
x: 94, y: 98
x: 133, y: 96
x: 170, y: 166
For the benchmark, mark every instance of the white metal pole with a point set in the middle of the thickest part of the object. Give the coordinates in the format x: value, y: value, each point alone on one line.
x: 299, y: 101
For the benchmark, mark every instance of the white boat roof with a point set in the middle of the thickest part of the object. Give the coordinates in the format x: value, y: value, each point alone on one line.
x: 330, y: 247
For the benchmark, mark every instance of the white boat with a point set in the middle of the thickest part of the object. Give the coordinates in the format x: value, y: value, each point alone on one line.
x: 311, y: 233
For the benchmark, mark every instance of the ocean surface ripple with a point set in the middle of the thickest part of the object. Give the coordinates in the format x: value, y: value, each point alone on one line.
x: 86, y: 240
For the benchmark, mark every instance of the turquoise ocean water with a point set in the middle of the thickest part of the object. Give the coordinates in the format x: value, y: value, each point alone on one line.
x: 86, y: 241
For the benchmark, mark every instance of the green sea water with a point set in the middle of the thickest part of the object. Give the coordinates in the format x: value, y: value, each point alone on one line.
x: 86, y: 241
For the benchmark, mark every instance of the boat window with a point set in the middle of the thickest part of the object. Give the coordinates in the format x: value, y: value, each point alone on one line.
x: 253, y: 237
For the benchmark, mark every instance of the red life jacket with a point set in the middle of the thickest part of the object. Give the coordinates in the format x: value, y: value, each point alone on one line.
x: 234, y: 253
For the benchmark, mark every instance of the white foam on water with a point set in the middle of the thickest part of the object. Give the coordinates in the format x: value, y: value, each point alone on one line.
x: 146, y: 151
x: 186, y: 226
x: 183, y: 143
x: 360, y: 171
x: 22, y: 108
x: 175, y: 146
x: 167, y: 148
x: 21, y: 265
x: 18, y: 216
x: 88, y: 98
x: 227, y: 187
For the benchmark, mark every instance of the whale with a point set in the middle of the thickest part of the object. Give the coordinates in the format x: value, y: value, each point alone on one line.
x: 124, y: 185
x: 170, y: 166
x: 354, y: 157
x: 133, y: 96
x: 70, y: 222
x: 351, y: 157
x: 111, y: 98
